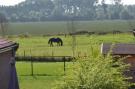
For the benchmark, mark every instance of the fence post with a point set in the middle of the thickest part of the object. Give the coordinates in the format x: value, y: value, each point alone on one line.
x: 64, y: 65
x: 32, y: 72
x: 24, y: 54
x: 31, y: 68
x: 52, y: 53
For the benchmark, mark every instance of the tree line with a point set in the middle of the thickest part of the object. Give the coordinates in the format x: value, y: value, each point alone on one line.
x: 60, y: 10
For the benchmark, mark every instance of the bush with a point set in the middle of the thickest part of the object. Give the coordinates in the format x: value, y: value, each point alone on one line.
x: 26, y: 35
x: 96, y: 72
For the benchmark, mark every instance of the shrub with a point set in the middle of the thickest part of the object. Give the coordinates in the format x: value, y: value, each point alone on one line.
x: 95, y: 72
x: 26, y: 35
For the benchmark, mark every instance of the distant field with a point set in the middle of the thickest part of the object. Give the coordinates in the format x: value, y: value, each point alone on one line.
x: 54, y: 27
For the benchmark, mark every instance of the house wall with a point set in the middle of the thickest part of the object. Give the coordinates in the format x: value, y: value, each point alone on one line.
x: 5, y: 69
x: 131, y: 72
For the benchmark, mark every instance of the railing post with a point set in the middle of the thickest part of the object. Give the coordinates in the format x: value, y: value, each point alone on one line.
x: 32, y: 72
x: 64, y: 65
x: 24, y: 53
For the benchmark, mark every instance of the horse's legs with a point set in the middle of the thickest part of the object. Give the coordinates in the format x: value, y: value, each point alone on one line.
x: 51, y: 44
x: 58, y: 44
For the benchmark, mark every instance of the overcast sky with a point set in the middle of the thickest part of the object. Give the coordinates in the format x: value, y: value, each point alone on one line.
x: 13, y: 2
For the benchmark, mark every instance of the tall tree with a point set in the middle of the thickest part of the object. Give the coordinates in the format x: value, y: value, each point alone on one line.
x: 104, y: 6
x: 88, y: 8
x: 116, y: 9
x: 3, y: 23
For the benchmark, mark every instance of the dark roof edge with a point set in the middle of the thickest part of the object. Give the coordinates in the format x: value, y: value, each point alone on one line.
x: 10, y: 47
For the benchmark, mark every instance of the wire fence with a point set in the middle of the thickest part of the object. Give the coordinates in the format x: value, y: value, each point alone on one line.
x: 42, y: 66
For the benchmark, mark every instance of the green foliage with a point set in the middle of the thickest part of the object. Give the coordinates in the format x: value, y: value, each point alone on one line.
x: 26, y: 35
x: 48, y: 10
x: 96, y: 72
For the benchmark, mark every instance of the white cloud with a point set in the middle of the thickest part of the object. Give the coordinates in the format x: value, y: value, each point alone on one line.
x: 13, y: 2
x: 10, y: 2
x: 127, y: 2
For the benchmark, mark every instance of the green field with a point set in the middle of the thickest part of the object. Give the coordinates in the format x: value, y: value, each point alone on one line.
x: 37, y: 46
x: 45, y: 75
x: 55, y: 27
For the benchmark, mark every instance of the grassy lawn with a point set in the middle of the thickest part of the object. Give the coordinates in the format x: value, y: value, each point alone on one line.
x: 38, y: 82
x: 48, y: 69
x: 37, y: 46
x: 45, y: 74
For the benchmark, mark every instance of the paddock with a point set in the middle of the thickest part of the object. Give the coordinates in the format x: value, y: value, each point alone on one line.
x: 43, y: 66
x: 46, y: 73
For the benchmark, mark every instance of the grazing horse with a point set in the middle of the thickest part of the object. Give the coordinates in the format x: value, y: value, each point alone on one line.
x: 133, y: 32
x: 55, y: 40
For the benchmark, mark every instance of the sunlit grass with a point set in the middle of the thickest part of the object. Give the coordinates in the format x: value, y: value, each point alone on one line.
x: 38, y: 46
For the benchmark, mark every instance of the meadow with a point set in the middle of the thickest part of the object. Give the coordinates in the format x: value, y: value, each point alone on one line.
x: 38, y: 45
x: 59, y: 27
x: 46, y: 74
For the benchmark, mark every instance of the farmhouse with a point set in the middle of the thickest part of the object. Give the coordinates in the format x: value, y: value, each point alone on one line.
x: 8, y: 77
x: 122, y: 50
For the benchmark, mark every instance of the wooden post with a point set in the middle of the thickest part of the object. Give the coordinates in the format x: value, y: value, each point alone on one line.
x: 32, y: 68
x: 52, y: 53
x: 24, y: 54
x: 64, y: 65
x: 32, y: 72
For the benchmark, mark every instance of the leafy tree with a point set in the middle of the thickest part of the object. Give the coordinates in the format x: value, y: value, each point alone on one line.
x: 104, y: 6
x: 100, y: 14
x: 42, y: 10
x: 88, y: 8
x: 3, y: 23
x: 116, y: 9
x: 125, y: 15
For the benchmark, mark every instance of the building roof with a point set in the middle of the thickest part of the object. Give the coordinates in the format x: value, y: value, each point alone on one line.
x: 6, y: 45
x: 125, y: 49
